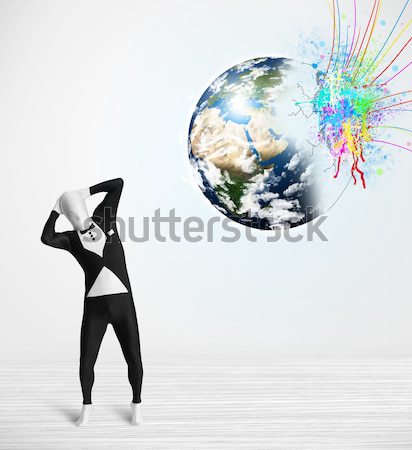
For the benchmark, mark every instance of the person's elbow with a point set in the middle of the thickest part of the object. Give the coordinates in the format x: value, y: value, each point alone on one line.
x: 45, y: 239
x: 119, y: 182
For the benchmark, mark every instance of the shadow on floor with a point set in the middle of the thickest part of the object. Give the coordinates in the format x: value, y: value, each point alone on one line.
x: 69, y: 413
x: 123, y: 412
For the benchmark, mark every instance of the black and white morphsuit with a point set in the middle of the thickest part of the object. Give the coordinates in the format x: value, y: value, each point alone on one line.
x: 108, y: 294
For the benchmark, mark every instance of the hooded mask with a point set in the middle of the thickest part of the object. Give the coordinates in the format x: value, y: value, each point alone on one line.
x: 74, y: 208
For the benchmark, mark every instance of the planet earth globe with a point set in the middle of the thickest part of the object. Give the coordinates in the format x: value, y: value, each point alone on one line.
x: 253, y: 144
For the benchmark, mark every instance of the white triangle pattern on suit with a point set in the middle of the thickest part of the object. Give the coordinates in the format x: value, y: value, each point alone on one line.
x: 106, y: 283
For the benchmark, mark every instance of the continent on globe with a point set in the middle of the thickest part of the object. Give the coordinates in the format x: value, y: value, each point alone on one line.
x: 255, y: 149
x: 241, y: 150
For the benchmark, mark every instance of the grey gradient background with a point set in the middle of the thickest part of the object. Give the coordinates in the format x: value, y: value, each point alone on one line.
x: 92, y: 90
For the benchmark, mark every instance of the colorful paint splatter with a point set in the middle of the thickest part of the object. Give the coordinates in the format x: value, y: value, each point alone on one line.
x: 354, y: 103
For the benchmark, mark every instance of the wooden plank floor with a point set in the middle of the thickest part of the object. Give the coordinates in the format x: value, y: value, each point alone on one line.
x: 259, y: 404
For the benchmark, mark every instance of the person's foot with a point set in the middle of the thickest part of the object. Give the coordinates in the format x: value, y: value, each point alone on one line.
x: 137, y: 418
x: 84, y: 415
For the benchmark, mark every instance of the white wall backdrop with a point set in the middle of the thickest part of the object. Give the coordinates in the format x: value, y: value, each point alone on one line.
x: 92, y: 90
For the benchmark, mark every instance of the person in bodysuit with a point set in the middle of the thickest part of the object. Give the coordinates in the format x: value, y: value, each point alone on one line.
x: 95, y: 244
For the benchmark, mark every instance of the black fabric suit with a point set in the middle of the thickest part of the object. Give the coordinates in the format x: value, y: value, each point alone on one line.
x: 117, y: 309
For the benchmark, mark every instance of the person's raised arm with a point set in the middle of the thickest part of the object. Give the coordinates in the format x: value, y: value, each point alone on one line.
x: 108, y: 206
x: 49, y: 235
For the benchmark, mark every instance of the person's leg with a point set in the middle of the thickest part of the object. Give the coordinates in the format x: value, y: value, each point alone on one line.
x: 93, y: 329
x: 125, y: 326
